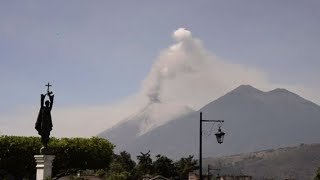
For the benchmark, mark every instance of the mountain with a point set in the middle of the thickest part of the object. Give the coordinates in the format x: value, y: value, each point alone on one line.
x: 155, y: 114
x: 254, y: 120
x: 299, y: 162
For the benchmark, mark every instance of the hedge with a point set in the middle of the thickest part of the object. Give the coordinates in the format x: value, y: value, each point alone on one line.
x: 17, y: 155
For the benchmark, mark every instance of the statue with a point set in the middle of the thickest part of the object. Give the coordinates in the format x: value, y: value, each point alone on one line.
x: 44, y: 121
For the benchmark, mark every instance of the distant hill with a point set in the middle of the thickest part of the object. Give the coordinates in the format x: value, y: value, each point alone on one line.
x: 254, y: 120
x: 299, y: 163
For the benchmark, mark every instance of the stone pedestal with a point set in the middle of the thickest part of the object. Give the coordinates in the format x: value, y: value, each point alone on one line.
x: 44, y: 166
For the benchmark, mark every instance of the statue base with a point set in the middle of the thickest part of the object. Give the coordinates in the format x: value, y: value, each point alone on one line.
x: 44, y: 166
x: 45, y: 151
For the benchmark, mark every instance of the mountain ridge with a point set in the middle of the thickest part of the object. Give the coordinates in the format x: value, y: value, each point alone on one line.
x: 254, y: 120
x: 143, y: 121
x: 294, y: 162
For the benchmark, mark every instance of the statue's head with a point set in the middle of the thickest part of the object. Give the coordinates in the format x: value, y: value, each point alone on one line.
x: 47, y: 103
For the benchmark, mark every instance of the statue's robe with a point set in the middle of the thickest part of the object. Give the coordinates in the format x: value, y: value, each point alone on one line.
x: 44, y: 122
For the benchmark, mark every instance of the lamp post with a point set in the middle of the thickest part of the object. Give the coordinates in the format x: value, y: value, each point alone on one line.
x: 219, y: 135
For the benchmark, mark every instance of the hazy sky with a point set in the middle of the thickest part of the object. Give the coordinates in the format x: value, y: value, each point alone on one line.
x: 99, y: 54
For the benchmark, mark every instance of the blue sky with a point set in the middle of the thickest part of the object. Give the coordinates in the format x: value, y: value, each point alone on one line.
x: 99, y: 52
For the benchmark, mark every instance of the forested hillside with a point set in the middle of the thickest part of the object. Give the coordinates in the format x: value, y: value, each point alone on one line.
x: 299, y: 162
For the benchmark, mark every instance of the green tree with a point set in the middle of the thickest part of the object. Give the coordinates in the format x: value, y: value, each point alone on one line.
x: 318, y: 175
x: 117, y: 171
x: 164, y: 166
x: 144, y: 163
x: 16, y: 156
x: 184, y: 166
x: 122, y: 167
x: 124, y: 158
x: 72, y: 154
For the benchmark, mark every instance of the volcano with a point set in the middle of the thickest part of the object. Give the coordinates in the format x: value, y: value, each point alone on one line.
x: 254, y: 120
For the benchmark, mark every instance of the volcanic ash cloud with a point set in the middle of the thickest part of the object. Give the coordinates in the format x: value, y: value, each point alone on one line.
x: 186, y: 73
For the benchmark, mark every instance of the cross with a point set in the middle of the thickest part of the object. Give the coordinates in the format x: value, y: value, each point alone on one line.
x: 48, y: 85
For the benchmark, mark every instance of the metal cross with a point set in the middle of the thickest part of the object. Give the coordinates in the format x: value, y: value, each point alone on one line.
x: 48, y: 85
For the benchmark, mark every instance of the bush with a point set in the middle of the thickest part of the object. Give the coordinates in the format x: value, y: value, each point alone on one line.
x: 16, y: 155
x: 72, y: 154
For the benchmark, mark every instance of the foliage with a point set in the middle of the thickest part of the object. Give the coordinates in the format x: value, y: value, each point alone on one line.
x: 124, y: 158
x: 81, y: 154
x: 164, y: 166
x: 16, y: 155
x: 184, y: 166
x: 145, y: 163
x: 117, y: 172
x: 129, y: 171
x: 119, y: 176
x: 72, y: 154
x: 100, y: 173
x: 122, y: 167
x: 318, y: 175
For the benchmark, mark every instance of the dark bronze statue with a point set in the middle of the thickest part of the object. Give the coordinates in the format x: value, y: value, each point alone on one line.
x: 44, y: 121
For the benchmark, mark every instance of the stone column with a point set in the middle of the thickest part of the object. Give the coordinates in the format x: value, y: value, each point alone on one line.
x: 44, y: 166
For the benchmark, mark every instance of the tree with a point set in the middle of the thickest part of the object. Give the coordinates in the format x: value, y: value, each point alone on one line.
x: 124, y: 158
x: 122, y: 167
x: 117, y: 172
x: 184, y: 166
x: 164, y: 166
x: 72, y: 154
x: 318, y: 175
x: 16, y: 156
x: 145, y: 163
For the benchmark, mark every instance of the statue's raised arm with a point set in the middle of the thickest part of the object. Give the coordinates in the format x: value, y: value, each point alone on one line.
x: 44, y: 122
x: 51, y: 97
x: 42, y: 100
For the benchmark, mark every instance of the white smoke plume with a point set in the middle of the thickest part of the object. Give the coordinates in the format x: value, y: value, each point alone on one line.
x: 183, y: 59
x: 184, y: 74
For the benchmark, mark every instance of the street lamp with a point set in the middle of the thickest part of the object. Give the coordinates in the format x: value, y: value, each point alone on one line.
x: 219, y: 135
